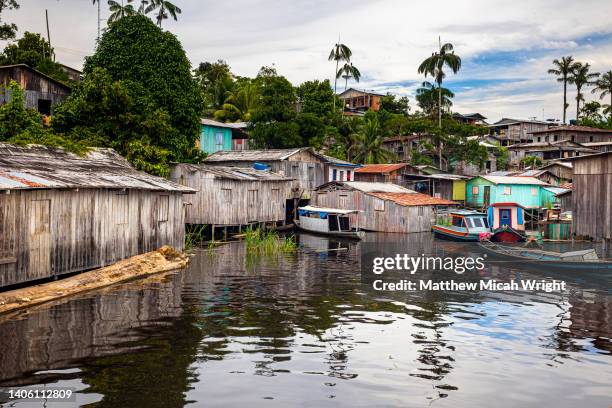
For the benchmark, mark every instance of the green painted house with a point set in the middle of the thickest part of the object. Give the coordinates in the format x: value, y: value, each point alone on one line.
x: 529, y: 192
x: 218, y: 136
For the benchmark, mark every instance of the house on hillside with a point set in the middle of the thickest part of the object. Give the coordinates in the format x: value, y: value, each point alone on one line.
x: 355, y: 101
x: 592, y: 189
x: 302, y: 164
x: 73, y: 73
x: 563, y: 170
x: 470, y: 118
x: 404, y: 146
x: 338, y: 170
x: 601, y: 147
x: 382, y: 207
x: 546, y: 151
x: 529, y: 192
x: 385, y: 173
x: 572, y: 133
x: 62, y: 213
x: 41, y: 91
x: 544, y: 175
x: 233, y: 196
x: 217, y: 136
x: 446, y: 186
x: 513, y: 131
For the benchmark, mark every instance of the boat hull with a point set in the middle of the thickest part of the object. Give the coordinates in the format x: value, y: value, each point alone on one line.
x: 339, y: 234
x: 507, y: 235
x: 453, y: 235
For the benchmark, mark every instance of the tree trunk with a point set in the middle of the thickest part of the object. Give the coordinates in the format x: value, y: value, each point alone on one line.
x: 564, y: 98
x: 577, y: 104
x: 440, y: 123
x: 336, y: 83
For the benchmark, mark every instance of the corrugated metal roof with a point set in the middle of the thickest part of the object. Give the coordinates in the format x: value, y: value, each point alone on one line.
x: 237, y: 173
x: 234, y: 125
x: 368, y: 187
x: 380, y: 168
x: 254, y: 155
x: 556, y: 190
x: 412, y: 199
x: 533, y: 173
x: 327, y: 210
x: 334, y: 160
x: 513, y: 180
x: 30, y: 167
x: 573, y: 128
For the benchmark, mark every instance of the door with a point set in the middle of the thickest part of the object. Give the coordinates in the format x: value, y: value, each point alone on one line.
x: 40, y: 239
x: 504, y: 218
x: 487, y: 196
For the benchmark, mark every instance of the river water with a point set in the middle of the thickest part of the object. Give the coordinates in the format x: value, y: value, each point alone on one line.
x: 305, y: 330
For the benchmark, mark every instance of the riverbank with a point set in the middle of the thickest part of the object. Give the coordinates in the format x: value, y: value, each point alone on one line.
x: 162, y: 260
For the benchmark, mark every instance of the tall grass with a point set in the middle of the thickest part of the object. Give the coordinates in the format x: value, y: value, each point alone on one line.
x: 194, y: 236
x: 267, y: 242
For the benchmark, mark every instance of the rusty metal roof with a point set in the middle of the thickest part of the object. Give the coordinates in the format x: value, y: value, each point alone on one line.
x: 34, y: 167
x: 380, y: 168
x: 412, y: 199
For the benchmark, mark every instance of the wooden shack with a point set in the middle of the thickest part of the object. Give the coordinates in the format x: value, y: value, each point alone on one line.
x: 232, y: 196
x: 41, y: 91
x: 447, y: 186
x: 592, y: 192
x: 62, y: 213
x: 386, y: 173
x: 302, y: 164
x: 384, y: 207
x: 563, y: 170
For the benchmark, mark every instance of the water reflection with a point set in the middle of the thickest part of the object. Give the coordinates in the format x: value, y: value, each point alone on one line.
x: 235, y: 329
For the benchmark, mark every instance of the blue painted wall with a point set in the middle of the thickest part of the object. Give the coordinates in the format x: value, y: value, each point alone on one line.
x: 214, y: 139
x: 529, y: 196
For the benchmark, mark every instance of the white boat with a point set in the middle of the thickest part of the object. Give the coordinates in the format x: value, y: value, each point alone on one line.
x: 328, y: 221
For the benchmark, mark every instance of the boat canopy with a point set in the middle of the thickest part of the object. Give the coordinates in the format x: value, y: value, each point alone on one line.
x: 323, y: 212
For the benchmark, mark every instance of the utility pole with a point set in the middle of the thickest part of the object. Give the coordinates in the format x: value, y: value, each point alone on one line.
x: 51, y: 53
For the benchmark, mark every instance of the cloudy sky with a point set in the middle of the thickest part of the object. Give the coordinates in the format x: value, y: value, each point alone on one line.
x: 506, y: 46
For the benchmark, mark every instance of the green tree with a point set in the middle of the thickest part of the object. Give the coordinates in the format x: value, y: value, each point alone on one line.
x: 7, y: 30
x: 340, y: 52
x: 531, y: 161
x: 102, y: 112
x: 603, y: 86
x: 581, y: 77
x: 164, y: 10
x: 119, y: 10
x: 563, y: 69
x: 399, y: 106
x: 33, y: 50
x: 312, y: 129
x: 316, y: 97
x: 240, y: 103
x: 367, y: 143
x: 590, y: 111
x: 347, y: 72
x: 135, y: 50
x: 215, y: 80
x: 428, y: 99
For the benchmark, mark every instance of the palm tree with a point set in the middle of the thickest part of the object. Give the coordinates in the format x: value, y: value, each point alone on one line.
x: 339, y: 52
x: 563, y: 68
x: 239, y: 104
x: 142, y: 9
x: 367, y: 144
x: 118, y: 11
x: 434, y: 66
x: 427, y: 98
x: 164, y: 9
x: 603, y: 86
x: 581, y: 77
x: 348, y: 71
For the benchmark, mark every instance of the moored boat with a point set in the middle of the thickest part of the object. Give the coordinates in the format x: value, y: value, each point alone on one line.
x: 328, y: 221
x: 507, y: 222
x: 464, y: 225
x: 585, y: 259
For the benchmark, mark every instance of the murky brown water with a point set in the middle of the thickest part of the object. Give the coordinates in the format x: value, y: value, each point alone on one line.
x: 302, y: 330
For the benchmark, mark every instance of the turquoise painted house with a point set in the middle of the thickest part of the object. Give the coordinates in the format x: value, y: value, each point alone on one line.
x: 217, y: 136
x: 529, y: 192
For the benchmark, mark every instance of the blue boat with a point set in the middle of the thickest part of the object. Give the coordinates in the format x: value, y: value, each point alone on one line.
x: 464, y: 225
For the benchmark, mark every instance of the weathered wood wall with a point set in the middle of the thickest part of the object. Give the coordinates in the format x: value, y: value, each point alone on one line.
x: 35, y: 86
x: 52, y: 232
x: 592, y: 197
x: 393, y: 217
x: 231, y: 202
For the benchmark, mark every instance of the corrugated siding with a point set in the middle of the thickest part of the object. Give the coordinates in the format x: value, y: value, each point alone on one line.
x: 53, y: 232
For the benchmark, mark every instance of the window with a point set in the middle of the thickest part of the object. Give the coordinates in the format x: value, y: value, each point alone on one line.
x: 485, y: 222
x: 334, y: 174
x: 477, y: 222
x: 252, y: 198
x: 458, y: 222
x: 342, y: 201
x: 121, y: 208
x: 163, y: 205
x: 556, y: 137
x: 475, y: 190
x: 534, y: 191
x: 226, y: 195
x: 341, y: 175
x: 507, y: 190
x: 379, y: 205
x: 311, y: 173
x: 219, y: 140
x: 421, y: 211
x: 469, y: 222
x: 348, y: 175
